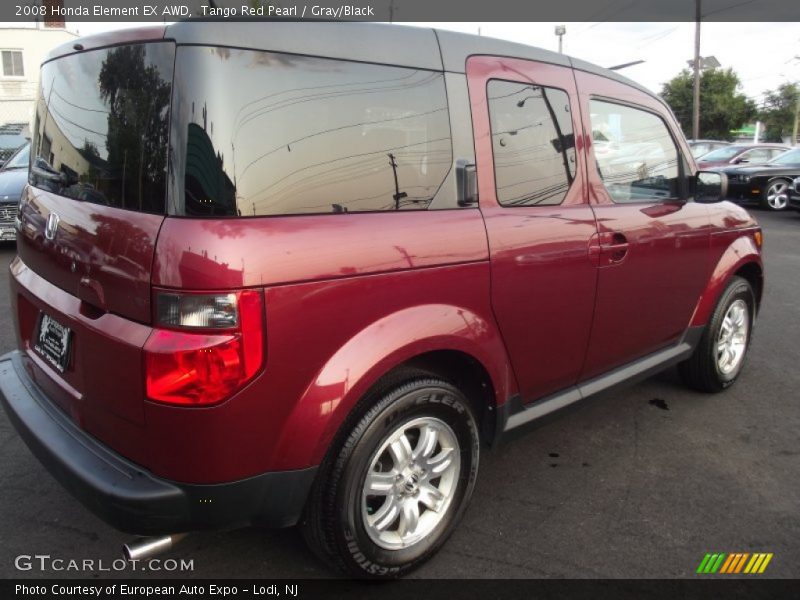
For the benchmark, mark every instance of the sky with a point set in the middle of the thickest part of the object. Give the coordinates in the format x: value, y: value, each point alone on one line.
x: 764, y: 55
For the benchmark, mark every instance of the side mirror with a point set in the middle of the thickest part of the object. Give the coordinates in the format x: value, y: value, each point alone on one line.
x: 739, y: 161
x: 710, y: 186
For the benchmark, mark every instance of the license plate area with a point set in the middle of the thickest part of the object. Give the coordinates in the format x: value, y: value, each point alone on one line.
x: 53, y: 342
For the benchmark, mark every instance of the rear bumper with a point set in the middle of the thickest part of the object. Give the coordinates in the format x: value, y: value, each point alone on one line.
x: 125, y: 495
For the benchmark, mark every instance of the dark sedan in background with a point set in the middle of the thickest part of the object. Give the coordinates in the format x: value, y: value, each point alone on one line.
x: 12, y: 137
x: 736, y: 154
x: 13, y: 177
x: 702, y: 147
x: 767, y: 184
x: 794, y: 195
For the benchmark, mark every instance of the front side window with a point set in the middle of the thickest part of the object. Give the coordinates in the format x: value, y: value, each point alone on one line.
x: 636, y: 156
x: 532, y: 142
x: 759, y: 155
x: 262, y: 133
x: 12, y: 63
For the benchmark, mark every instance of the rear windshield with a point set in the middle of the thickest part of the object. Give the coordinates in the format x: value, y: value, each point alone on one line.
x: 102, y: 126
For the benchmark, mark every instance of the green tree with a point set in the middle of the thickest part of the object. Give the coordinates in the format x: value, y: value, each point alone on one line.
x: 138, y: 100
x: 778, y: 112
x: 722, y: 106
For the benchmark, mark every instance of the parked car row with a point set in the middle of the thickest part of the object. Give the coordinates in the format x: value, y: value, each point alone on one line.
x: 757, y: 173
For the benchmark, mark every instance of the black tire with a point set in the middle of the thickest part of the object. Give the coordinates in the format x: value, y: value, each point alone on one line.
x: 702, y: 371
x: 334, y: 524
x: 766, y: 191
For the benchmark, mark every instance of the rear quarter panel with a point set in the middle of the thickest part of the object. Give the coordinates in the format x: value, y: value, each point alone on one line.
x: 347, y: 298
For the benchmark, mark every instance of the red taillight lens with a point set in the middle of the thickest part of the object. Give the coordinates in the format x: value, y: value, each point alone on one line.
x: 195, y: 368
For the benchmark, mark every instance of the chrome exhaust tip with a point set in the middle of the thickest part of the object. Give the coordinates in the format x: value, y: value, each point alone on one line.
x: 148, y: 547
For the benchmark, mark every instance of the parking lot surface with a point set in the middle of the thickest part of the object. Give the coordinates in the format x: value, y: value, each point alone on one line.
x: 640, y: 484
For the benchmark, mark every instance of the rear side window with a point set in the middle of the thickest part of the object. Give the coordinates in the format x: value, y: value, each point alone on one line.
x: 532, y: 142
x: 261, y: 133
x: 636, y: 156
x: 102, y: 126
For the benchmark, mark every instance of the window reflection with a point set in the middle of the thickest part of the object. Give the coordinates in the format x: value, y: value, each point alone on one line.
x: 260, y: 133
x: 101, y: 127
x: 636, y: 156
x: 533, y: 143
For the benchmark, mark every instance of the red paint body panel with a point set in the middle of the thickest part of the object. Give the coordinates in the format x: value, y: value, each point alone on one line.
x: 732, y: 246
x: 102, y: 255
x: 543, y: 281
x: 264, y: 251
x: 320, y: 359
x: 528, y: 292
x: 645, y: 300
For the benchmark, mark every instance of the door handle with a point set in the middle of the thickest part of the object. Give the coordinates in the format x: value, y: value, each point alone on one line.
x: 616, y: 249
x: 608, y: 248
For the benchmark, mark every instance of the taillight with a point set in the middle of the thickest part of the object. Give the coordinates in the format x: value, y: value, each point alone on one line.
x: 204, y: 348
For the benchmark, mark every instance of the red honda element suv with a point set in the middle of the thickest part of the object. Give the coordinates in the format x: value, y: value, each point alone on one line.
x: 303, y: 273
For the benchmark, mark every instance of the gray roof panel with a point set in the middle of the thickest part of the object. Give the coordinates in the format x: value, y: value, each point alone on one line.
x: 368, y: 42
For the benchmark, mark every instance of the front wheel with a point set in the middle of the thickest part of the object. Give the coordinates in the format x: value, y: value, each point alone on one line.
x: 776, y: 195
x: 719, y: 357
x: 392, y: 493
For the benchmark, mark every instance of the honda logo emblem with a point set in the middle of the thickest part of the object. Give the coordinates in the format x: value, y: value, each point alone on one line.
x: 52, y: 226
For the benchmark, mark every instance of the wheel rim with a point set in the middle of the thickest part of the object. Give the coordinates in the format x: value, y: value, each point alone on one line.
x: 410, y: 483
x: 777, y: 195
x: 732, y: 338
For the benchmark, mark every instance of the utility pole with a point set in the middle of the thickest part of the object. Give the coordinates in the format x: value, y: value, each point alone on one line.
x: 398, y: 195
x: 560, y: 31
x: 696, y: 90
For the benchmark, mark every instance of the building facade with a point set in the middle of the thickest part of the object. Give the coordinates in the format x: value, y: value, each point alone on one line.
x: 22, y: 49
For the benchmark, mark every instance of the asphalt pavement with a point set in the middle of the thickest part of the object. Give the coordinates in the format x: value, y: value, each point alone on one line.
x: 640, y: 484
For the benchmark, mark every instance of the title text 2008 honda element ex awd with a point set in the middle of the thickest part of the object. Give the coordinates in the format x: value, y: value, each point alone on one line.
x: 301, y: 273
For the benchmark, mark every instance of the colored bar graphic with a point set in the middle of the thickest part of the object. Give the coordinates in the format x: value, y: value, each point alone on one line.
x: 754, y: 563
x: 736, y: 562
x: 727, y: 564
x: 703, y: 563
x: 765, y: 563
x: 718, y: 564
x: 741, y: 562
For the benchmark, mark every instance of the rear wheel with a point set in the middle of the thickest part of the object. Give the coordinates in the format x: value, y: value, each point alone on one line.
x: 776, y: 194
x: 719, y: 357
x: 392, y: 492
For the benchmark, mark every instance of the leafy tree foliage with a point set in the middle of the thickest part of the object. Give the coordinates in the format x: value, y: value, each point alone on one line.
x: 722, y: 106
x: 779, y: 112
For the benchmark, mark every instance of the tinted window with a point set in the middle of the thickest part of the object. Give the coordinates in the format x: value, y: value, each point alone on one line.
x: 102, y: 126
x: 532, y: 142
x: 724, y: 153
x: 260, y: 133
x: 787, y: 158
x: 636, y: 156
x: 759, y: 155
x: 20, y: 160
